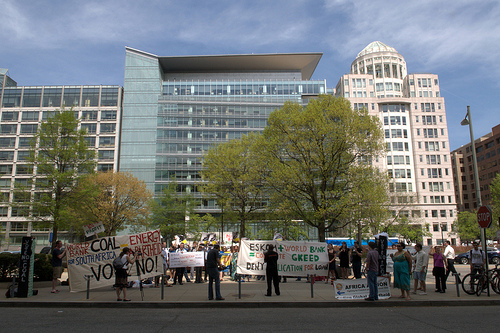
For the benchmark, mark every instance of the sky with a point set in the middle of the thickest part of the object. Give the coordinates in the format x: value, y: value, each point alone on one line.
x: 62, y: 42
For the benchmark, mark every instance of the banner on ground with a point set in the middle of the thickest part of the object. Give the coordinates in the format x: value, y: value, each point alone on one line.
x: 187, y: 259
x: 95, y: 259
x: 295, y: 258
x: 358, y: 288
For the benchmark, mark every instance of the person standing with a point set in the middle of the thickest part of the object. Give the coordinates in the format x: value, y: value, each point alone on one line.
x: 438, y: 270
x: 121, y: 275
x: 332, y: 269
x: 402, y: 268
x: 179, y: 271
x: 477, y: 259
x: 212, y: 267
x: 57, y: 268
x: 356, y: 253
x: 449, y: 254
x: 164, y: 256
x: 371, y: 270
x: 419, y: 275
x: 344, y: 261
x: 271, y: 258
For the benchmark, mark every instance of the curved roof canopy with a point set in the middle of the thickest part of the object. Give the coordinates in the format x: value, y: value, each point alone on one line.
x: 376, y: 47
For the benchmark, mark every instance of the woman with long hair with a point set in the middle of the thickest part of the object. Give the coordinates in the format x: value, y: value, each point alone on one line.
x: 344, y: 261
x: 402, y: 268
x: 121, y: 275
x: 332, y: 255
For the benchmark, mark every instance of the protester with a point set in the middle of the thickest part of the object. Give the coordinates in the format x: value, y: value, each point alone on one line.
x: 356, y: 254
x: 165, y: 258
x: 332, y: 269
x: 438, y: 270
x: 57, y: 268
x: 371, y: 270
x: 344, y: 261
x: 449, y: 254
x: 199, y: 269
x: 477, y: 259
x: 179, y: 271
x: 212, y: 266
x: 402, y: 268
x: 121, y: 275
x: 271, y: 258
x: 172, y: 270
x: 420, y: 269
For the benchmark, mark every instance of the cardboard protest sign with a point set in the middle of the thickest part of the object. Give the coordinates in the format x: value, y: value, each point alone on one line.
x: 95, y: 258
x: 187, y: 259
x: 295, y: 258
x: 358, y: 288
x: 93, y: 229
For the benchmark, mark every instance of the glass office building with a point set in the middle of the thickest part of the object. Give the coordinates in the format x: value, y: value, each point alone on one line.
x: 175, y: 108
x: 22, y: 109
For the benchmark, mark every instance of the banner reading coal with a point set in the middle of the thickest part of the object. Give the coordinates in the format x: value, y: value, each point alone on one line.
x: 95, y: 259
x: 295, y: 258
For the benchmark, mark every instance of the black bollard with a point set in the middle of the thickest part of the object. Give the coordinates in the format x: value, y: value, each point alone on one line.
x: 87, y: 277
x: 312, y: 284
x: 239, y: 285
x: 162, y: 286
x: 457, y: 283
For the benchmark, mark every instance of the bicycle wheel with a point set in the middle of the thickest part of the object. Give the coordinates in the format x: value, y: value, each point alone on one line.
x: 481, y: 284
x: 469, y: 283
x: 495, y: 282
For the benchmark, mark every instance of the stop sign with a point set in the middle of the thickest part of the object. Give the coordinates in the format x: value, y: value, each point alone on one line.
x: 484, y: 216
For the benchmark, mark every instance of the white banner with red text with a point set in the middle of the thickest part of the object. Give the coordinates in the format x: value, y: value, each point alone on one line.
x: 187, y: 259
x: 95, y: 259
x: 295, y: 258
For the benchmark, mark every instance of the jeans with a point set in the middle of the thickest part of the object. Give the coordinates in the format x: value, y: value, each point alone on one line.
x: 213, y: 274
x: 371, y: 277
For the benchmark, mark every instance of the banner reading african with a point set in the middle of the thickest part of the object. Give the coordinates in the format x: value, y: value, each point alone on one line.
x: 295, y: 258
x: 95, y: 259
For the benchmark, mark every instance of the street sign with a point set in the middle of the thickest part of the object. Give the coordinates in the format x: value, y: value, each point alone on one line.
x: 484, y: 216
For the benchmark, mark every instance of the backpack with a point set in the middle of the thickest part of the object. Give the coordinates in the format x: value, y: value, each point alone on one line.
x: 118, y: 263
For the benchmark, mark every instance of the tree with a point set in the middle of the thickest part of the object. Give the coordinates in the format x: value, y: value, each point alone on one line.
x: 171, y: 213
x: 234, y: 174
x: 411, y: 232
x: 317, y: 155
x: 495, y: 198
x: 61, y: 157
x: 468, y: 229
x: 117, y: 199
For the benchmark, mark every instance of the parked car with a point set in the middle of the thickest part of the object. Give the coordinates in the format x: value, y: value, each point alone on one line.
x: 493, y: 256
x: 47, y: 250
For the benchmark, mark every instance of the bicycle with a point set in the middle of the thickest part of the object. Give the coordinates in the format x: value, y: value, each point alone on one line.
x: 475, y: 283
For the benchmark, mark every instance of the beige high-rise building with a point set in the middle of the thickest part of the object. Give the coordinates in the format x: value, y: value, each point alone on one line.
x: 413, y: 115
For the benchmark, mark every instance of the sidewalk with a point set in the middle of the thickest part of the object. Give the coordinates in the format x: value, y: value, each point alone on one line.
x: 190, y: 295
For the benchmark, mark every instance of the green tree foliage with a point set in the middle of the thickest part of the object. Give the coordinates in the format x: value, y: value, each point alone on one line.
x: 117, y: 199
x: 468, y: 229
x: 318, y: 156
x: 495, y: 199
x: 411, y: 232
x: 234, y: 175
x: 61, y: 156
x: 173, y: 213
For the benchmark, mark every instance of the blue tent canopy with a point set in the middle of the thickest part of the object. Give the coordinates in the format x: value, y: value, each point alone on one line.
x: 350, y: 242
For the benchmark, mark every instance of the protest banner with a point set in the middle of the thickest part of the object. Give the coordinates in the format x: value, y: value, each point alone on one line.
x: 358, y: 289
x: 187, y: 259
x: 93, y: 229
x: 295, y: 258
x: 95, y: 258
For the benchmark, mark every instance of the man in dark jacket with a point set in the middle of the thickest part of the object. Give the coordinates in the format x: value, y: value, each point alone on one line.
x: 271, y: 258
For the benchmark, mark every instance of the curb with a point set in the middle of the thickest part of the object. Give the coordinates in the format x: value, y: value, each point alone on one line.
x: 242, y: 305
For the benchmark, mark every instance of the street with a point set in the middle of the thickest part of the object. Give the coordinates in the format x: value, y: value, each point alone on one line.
x: 392, y: 319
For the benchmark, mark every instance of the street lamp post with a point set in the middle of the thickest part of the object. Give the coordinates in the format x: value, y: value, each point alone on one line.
x: 468, y: 121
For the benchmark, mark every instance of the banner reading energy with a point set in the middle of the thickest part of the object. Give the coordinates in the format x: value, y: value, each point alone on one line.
x: 95, y: 258
x: 295, y: 258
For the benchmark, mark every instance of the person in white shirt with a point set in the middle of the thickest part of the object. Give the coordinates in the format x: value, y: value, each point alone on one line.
x: 449, y: 254
x: 419, y: 275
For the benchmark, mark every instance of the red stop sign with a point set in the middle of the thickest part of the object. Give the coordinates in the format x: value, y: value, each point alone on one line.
x: 484, y: 216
